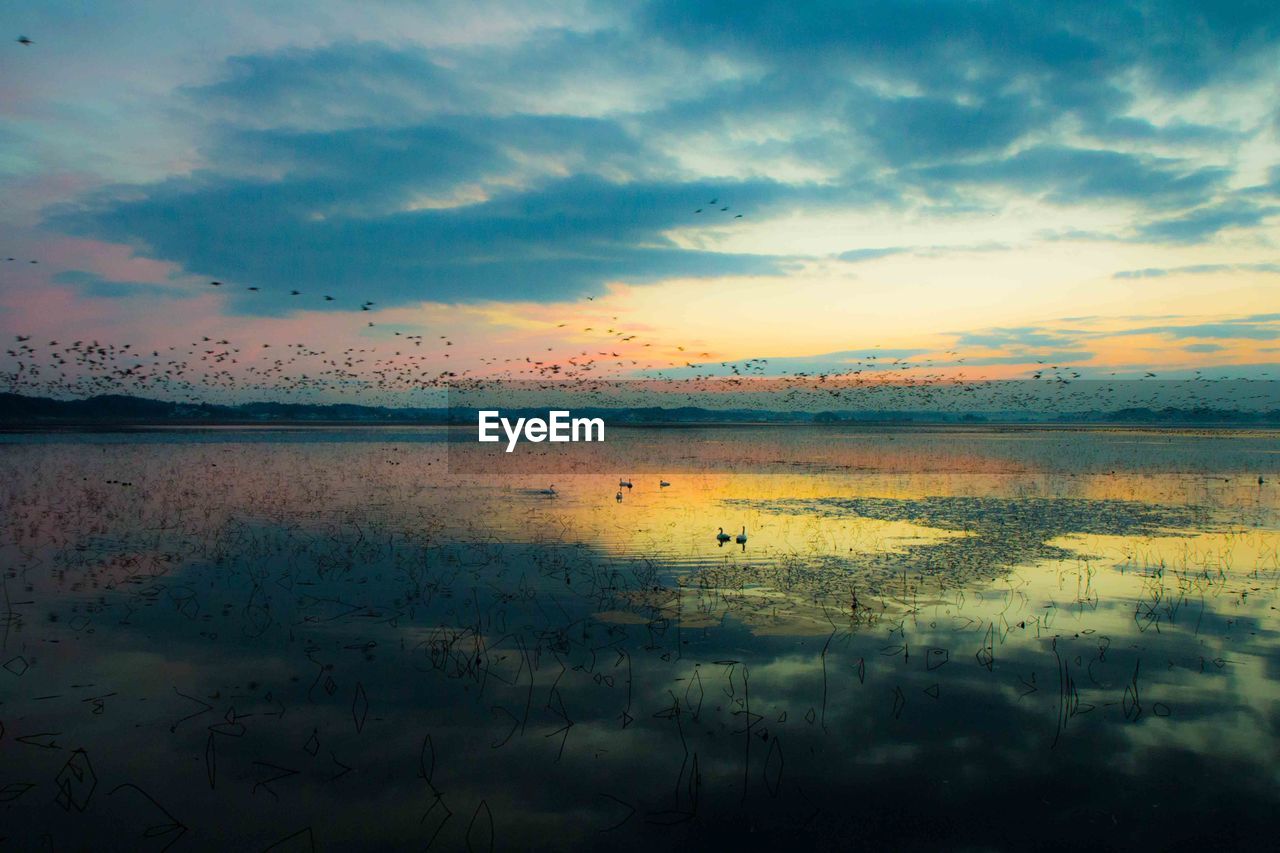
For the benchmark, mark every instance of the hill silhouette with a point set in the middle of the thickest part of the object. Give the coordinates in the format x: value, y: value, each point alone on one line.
x: 18, y: 410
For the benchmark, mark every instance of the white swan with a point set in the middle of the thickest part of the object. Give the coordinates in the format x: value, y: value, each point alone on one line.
x: 741, y: 538
x: 722, y: 537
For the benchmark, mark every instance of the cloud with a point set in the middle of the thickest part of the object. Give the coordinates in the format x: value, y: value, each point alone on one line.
x: 999, y: 338
x: 1195, y: 269
x: 1111, y: 128
x: 925, y: 129
x: 854, y: 256
x: 559, y: 239
x: 1202, y: 223
x: 1066, y: 175
x: 95, y: 286
x: 346, y: 84
x: 1076, y: 58
x: 1228, y: 330
x: 549, y: 163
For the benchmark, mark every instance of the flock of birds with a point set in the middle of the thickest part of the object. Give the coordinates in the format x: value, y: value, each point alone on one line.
x: 405, y: 361
x: 218, y: 364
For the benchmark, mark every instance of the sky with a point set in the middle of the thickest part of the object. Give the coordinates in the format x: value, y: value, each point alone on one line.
x: 974, y: 189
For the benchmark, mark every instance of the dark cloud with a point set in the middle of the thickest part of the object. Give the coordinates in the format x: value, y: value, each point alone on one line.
x: 925, y: 129
x: 560, y: 239
x: 987, y: 78
x: 1067, y: 46
x: 1202, y: 223
x: 914, y: 37
x: 1066, y: 175
x: 1130, y: 129
x: 338, y: 85
x: 983, y: 74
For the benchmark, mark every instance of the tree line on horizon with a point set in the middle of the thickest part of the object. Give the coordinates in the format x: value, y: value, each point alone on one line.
x: 22, y: 409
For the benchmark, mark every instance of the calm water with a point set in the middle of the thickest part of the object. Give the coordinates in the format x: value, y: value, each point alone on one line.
x: 932, y: 639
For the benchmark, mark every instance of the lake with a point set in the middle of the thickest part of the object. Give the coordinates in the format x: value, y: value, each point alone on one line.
x: 933, y: 638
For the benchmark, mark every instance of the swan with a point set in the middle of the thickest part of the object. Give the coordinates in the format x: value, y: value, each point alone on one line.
x: 722, y: 537
x: 618, y: 496
x: 663, y: 484
x: 626, y: 483
x: 741, y: 538
x: 549, y: 491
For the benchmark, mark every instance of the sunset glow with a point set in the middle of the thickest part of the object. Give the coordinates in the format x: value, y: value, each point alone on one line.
x: 646, y: 187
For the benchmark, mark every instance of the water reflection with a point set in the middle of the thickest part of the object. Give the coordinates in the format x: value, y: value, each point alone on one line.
x: 958, y: 640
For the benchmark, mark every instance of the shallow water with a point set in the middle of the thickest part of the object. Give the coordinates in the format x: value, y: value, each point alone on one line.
x: 933, y: 638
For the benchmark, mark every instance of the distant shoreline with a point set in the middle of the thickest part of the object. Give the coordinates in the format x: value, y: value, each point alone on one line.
x: 115, y: 412
x: 12, y: 428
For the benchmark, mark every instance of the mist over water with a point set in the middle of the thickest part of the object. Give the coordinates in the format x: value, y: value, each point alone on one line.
x: 980, y: 638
